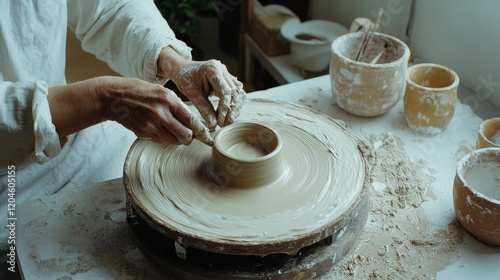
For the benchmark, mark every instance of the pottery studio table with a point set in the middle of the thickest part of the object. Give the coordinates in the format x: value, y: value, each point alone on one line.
x: 82, y: 234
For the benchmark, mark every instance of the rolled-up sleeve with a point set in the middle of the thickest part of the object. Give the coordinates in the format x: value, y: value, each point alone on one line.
x: 128, y: 35
x: 26, y: 130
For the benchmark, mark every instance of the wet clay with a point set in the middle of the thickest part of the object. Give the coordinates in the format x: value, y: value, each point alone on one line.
x: 249, y: 150
x: 246, y: 155
x: 322, y: 174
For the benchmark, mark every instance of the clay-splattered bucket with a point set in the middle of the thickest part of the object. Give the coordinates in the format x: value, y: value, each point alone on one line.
x: 372, y: 86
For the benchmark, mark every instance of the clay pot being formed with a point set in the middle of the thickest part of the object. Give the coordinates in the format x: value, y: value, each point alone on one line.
x: 476, y: 194
x: 248, y: 154
x: 372, y: 86
x: 489, y: 134
x: 431, y: 94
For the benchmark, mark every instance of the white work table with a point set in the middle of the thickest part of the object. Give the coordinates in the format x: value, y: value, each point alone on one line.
x: 82, y: 234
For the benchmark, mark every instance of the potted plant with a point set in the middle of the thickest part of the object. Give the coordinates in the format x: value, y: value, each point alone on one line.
x: 181, y: 15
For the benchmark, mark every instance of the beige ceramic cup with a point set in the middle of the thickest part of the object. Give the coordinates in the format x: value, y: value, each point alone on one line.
x: 489, y: 134
x: 373, y: 85
x: 430, y: 98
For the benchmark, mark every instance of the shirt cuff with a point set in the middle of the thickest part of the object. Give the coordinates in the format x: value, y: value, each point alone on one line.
x: 47, y: 143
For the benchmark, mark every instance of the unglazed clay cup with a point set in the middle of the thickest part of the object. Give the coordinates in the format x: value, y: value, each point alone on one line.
x: 489, y: 134
x: 247, y: 155
x: 476, y: 194
x: 372, y: 86
x: 430, y: 97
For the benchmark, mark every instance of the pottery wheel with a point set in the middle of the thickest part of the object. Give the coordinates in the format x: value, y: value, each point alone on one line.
x: 324, y: 176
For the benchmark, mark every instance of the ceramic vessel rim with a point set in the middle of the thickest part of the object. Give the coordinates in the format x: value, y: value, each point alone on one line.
x: 234, y: 126
x: 460, y: 171
x: 481, y: 131
x: 338, y: 28
x: 404, y: 57
x: 456, y: 79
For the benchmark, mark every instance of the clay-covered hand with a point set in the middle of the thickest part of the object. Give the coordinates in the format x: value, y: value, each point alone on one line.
x: 200, y: 80
x: 152, y: 111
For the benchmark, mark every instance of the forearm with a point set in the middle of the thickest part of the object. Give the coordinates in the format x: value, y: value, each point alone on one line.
x: 76, y: 106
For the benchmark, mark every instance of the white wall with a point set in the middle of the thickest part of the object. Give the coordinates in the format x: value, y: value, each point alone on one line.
x: 463, y: 35
x: 393, y: 21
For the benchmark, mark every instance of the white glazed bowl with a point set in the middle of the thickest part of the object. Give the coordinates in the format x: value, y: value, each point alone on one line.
x: 310, y: 42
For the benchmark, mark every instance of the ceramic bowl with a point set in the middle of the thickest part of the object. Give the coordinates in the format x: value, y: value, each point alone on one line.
x: 489, y: 134
x: 476, y: 194
x: 310, y: 42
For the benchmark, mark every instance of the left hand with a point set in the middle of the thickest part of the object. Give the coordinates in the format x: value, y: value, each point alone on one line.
x: 198, y: 80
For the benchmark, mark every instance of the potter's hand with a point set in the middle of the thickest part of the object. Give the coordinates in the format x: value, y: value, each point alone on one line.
x: 149, y: 110
x: 152, y: 111
x: 198, y: 80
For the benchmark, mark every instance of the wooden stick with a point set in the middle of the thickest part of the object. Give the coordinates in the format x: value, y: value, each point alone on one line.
x: 368, y: 36
x: 379, y: 55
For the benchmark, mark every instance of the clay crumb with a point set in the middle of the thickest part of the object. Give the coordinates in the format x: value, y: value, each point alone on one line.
x: 398, y: 240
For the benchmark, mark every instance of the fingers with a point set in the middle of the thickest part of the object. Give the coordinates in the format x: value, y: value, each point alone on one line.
x: 230, y: 103
x: 154, y: 112
x: 170, y: 132
x: 206, y: 110
x: 237, y: 101
x: 230, y: 92
x: 185, y: 126
x: 174, y: 126
x: 200, y: 131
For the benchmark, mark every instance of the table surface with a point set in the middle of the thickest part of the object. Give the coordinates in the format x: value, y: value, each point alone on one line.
x: 85, y: 235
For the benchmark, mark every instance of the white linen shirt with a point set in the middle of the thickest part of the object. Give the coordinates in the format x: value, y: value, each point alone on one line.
x: 126, y: 34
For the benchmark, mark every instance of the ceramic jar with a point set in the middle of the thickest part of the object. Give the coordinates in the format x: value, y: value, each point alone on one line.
x: 431, y: 94
x: 372, y: 86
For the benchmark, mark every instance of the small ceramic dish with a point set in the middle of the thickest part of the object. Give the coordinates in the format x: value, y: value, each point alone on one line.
x: 310, y: 42
x: 489, y: 134
x: 476, y: 194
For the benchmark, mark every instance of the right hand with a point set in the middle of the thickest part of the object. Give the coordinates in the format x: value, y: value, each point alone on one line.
x: 150, y: 111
